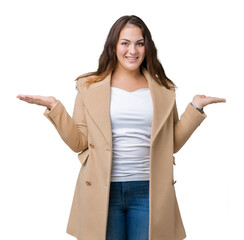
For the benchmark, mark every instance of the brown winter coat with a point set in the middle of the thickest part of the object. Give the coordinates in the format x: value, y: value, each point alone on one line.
x: 89, y: 132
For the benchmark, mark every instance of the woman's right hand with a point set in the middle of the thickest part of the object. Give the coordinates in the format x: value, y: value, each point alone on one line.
x: 48, y: 102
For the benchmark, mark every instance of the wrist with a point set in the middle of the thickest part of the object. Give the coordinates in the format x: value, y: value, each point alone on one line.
x: 52, y: 103
x: 197, y: 108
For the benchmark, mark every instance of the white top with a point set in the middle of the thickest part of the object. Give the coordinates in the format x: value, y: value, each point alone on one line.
x: 131, y: 119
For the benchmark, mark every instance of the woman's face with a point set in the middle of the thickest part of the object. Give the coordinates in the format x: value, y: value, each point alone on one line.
x: 130, y: 49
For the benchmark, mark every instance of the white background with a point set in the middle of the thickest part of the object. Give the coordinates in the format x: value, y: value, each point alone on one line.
x: 46, y: 44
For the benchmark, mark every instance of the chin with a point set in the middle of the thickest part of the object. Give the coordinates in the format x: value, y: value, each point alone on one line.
x: 132, y: 68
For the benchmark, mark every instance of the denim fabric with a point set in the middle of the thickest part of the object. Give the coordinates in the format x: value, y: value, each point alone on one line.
x: 128, y: 215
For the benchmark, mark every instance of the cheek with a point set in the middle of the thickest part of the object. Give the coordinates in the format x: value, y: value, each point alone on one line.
x: 121, y: 50
x: 143, y: 51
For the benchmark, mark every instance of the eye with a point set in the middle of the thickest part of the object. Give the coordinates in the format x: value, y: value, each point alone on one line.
x: 124, y: 43
x: 140, y: 43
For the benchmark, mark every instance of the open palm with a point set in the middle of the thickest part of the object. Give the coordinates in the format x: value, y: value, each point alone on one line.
x: 201, y: 101
x: 48, y: 102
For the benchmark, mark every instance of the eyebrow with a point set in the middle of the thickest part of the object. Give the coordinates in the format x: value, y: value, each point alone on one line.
x: 129, y: 40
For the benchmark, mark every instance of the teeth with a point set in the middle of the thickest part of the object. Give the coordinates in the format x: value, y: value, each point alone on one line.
x: 131, y: 58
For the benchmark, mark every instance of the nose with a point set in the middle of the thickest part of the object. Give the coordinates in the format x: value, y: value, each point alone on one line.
x: 132, y: 49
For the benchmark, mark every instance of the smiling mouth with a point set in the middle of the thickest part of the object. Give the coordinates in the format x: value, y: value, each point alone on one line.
x: 132, y: 58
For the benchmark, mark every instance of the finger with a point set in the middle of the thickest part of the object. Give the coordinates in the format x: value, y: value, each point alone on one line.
x: 33, y: 97
x: 221, y: 100
x: 216, y: 100
x: 19, y: 96
x: 22, y: 97
x: 29, y: 99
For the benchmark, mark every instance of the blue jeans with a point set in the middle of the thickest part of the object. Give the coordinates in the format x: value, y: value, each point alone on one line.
x: 128, y: 215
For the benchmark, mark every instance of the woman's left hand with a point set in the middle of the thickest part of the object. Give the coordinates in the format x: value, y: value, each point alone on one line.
x: 201, y: 101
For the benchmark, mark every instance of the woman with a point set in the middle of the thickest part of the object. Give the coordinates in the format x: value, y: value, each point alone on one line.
x: 126, y: 127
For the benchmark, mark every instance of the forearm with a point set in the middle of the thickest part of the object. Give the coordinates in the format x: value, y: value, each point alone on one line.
x: 74, y: 135
x: 187, y: 124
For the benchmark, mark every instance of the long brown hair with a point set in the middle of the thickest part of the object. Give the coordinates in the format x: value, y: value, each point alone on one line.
x: 108, y: 58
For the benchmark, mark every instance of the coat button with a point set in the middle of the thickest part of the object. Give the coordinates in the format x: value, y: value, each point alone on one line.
x: 174, y: 160
x: 88, y: 183
x: 91, y: 145
x: 173, y: 182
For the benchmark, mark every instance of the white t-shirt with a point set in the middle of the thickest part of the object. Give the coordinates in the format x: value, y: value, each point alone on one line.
x: 131, y: 119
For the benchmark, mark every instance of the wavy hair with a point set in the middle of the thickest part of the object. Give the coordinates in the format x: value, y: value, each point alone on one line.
x: 108, y: 58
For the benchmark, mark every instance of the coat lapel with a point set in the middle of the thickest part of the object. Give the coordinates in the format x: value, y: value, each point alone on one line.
x: 97, y: 102
x: 163, y: 102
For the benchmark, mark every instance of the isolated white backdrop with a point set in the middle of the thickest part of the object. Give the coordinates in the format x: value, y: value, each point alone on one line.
x: 46, y: 44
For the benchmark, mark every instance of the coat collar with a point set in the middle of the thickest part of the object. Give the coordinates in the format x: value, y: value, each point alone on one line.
x: 97, y: 101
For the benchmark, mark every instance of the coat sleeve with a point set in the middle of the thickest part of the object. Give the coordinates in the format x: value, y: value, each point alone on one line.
x: 186, y: 125
x: 73, y: 130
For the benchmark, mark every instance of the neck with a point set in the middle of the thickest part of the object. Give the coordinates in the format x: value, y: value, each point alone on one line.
x: 126, y: 74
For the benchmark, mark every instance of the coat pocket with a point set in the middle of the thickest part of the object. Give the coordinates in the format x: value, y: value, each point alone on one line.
x: 173, y: 180
x: 84, y: 172
x: 83, y: 156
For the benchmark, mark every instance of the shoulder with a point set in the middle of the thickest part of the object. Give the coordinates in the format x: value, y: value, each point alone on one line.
x: 171, y: 85
x: 82, y: 82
